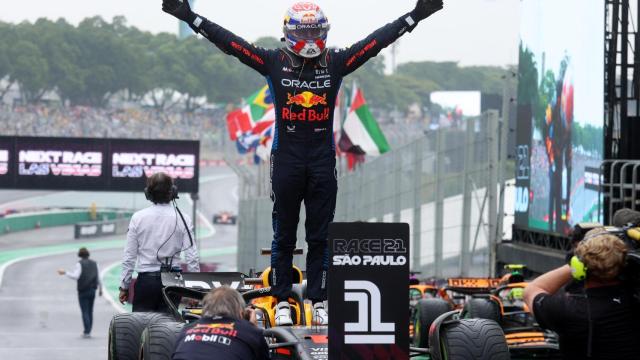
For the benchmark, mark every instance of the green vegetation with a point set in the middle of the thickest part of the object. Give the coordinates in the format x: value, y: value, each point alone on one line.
x: 88, y: 64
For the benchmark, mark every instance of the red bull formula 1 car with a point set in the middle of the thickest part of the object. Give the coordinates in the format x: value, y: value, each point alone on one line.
x: 152, y: 336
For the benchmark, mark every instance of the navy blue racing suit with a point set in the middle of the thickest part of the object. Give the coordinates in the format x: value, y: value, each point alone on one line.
x: 221, y: 338
x: 303, y: 164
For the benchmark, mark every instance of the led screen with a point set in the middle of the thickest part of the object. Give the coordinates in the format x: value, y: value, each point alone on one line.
x: 95, y: 164
x: 560, y: 114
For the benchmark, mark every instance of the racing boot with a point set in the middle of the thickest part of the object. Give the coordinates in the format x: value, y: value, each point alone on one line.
x: 283, y: 314
x: 320, y: 315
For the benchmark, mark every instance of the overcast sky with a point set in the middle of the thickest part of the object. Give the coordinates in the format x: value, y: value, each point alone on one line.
x: 472, y: 32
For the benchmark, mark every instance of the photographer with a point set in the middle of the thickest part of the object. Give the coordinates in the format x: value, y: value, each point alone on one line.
x: 226, y: 331
x: 156, y: 235
x: 598, y: 322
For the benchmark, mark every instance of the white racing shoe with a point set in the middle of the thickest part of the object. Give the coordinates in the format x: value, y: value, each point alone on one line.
x: 283, y: 314
x: 320, y: 315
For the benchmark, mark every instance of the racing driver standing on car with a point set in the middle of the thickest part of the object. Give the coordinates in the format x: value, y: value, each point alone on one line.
x: 304, y: 78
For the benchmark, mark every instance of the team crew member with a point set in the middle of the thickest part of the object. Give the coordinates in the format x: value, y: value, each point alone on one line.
x: 226, y: 331
x: 155, y: 237
x: 599, y: 322
x: 304, y: 78
x: 87, y: 275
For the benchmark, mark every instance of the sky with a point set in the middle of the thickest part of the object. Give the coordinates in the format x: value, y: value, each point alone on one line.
x: 471, y: 32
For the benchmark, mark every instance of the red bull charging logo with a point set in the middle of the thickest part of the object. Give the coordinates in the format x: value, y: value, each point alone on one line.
x: 307, y: 99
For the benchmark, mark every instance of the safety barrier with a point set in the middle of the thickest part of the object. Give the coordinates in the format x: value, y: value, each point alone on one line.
x: 91, y: 229
x: 54, y: 217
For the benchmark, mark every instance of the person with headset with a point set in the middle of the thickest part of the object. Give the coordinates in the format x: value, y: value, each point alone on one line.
x: 155, y: 237
x: 601, y: 320
x: 304, y: 78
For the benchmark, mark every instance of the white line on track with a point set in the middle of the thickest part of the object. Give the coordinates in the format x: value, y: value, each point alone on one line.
x: 107, y: 296
x: 25, y: 258
x: 211, y: 178
x: 105, y: 293
x: 203, y: 218
x: 12, y: 203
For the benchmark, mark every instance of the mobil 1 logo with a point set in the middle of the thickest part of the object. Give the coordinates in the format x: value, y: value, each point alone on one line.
x: 368, y: 285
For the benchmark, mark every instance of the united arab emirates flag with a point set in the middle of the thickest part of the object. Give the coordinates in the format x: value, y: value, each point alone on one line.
x: 362, y: 128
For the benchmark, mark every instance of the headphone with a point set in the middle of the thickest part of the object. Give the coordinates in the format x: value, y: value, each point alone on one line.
x: 149, y: 193
x: 578, y: 268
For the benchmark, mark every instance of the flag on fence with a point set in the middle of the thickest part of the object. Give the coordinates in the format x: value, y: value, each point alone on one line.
x: 238, y: 123
x: 361, y: 127
x: 256, y: 109
x: 259, y: 104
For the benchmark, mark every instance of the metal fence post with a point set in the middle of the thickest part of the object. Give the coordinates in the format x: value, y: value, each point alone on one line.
x: 417, y: 204
x: 439, y: 198
x: 504, y: 152
x: 465, y: 256
x: 493, y: 142
x: 397, y: 184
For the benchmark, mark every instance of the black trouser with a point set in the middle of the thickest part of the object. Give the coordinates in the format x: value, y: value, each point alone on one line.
x: 147, y: 296
x: 308, y: 174
x: 86, y: 298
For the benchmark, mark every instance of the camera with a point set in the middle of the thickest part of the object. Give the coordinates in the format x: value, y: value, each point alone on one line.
x: 626, y: 228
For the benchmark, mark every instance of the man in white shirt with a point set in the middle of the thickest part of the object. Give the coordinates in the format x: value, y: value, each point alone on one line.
x: 156, y: 236
x: 86, y: 273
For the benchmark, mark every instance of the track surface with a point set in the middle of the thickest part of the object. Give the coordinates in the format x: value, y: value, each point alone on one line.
x: 39, y: 312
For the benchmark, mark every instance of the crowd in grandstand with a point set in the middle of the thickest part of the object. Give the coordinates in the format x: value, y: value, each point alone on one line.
x: 209, y: 126
x: 42, y: 120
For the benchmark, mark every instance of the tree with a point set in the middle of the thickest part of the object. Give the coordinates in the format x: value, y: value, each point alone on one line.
x: 269, y: 42
x: 30, y: 70
x: 88, y: 64
x: 6, y: 38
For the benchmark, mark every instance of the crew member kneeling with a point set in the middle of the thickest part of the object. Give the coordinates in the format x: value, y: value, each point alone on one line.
x: 599, y: 322
x: 222, y: 333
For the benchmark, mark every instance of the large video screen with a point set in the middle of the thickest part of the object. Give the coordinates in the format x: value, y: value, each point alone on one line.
x: 39, y: 163
x: 560, y: 114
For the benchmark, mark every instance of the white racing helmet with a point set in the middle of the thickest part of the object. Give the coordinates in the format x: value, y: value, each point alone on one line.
x: 305, y: 29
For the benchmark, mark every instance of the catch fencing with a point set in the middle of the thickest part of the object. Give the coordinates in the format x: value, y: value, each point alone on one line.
x: 445, y: 185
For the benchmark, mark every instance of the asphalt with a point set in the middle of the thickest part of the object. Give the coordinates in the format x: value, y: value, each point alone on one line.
x: 39, y: 312
x: 33, y: 238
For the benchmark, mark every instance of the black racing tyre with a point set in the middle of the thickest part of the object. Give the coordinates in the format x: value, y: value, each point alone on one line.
x: 478, y: 308
x: 474, y: 339
x: 427, y: 310
x: 159, y: 340
x: 125, y: 331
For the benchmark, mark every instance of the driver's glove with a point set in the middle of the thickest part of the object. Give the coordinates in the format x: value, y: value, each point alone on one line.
x: 426, y: 8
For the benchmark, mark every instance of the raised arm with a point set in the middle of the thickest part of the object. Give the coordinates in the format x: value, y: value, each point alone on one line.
x: 225, y: 40
x: 357, y: 55
x: 548, y: 283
